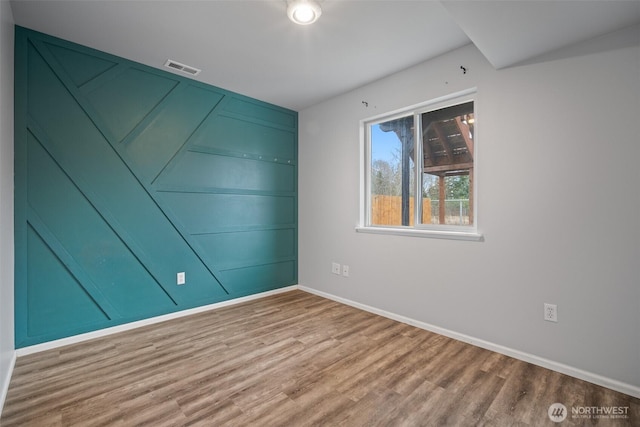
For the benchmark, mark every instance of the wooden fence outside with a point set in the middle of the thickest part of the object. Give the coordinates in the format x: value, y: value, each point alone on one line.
x: 387, y: 210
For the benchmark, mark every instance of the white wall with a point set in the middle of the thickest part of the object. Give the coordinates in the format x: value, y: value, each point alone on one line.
x: 558, y: 150
x: 6, y: 198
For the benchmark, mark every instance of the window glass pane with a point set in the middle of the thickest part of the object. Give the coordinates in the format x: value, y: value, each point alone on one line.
x: 392, y: 172
x: 447, y: 180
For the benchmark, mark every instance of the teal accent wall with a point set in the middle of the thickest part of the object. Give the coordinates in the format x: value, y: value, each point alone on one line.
x: 127, y: 175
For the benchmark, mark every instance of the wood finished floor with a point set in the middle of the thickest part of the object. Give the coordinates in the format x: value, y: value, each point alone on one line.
x: 292, y: 359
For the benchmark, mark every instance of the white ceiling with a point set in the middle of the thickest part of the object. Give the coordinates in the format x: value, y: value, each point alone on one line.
x: 250, y: 47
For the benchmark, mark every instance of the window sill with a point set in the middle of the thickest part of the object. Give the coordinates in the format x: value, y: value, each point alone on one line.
x: 433, y: 234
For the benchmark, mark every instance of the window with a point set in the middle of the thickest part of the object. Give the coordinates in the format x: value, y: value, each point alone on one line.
x: 420, y: 169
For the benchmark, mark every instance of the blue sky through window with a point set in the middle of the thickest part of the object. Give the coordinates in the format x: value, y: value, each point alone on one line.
x: 384, y: 145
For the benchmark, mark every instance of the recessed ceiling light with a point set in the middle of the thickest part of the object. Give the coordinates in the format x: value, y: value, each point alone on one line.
x: 303, y: 12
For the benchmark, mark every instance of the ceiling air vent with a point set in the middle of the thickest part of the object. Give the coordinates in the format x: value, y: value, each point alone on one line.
x: 181, y: 67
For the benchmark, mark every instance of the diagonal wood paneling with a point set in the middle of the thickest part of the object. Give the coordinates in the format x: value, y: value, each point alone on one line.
x: 124, y: 101
x: 51, y: 289
x: 89, y: 158
x: 80, y: 67
x: 92, y: 242
x: 80, y: 275
x: 126, y: 175
x: 159, y: 138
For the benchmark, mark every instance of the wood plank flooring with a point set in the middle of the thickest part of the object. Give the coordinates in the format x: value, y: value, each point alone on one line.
x: 292, y: 359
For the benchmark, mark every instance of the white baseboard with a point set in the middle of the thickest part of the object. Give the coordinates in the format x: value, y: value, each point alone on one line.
x: 133, y: 325
x: 7, y: 380
x: 591, y: 377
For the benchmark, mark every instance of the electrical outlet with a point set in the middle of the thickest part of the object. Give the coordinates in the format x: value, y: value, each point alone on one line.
x: 335, y: 268
x: 345, y: 270
x: 550, y: 312
x: 180, y: 278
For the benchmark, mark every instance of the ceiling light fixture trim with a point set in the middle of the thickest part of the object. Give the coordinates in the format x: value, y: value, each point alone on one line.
x: 303, y: 12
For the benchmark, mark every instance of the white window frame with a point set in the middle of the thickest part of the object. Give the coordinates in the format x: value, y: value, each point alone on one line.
x: 456, y: 232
